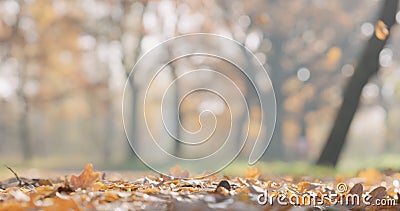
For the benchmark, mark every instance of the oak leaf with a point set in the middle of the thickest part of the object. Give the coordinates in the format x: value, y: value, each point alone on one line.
x: 86, y: 179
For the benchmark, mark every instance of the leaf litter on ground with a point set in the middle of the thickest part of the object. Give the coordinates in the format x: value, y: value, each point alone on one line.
x: 91, y: 191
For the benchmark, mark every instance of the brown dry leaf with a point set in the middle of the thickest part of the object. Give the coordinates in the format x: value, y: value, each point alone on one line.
x: 110, y: 196
x: 377, y: 194
x: 223, y: 191
x: 19, y: 195
x: 225, y: 184
x: 86, y: 179
x: 252, y: 173
x: 303, y: 186
x: 244, y: 196
x: 61, y: 204
x: 45, y: 190
x: 370, y: 176
x: 241, y: 181
x: 177, y: 172
x: 381, y: 30
x: 244, y: 190
x: 151, y: 191
x: 14, y: 206
x: 357, y: 189
x: 223, y: 188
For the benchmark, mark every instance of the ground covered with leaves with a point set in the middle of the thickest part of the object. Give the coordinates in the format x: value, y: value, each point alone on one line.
x: 91, y: 190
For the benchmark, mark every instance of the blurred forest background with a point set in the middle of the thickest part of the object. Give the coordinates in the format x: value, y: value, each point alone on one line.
x: 64, y: 64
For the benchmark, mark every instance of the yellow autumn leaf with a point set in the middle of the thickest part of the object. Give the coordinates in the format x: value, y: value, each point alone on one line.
x: 333, y: 57
x: 381, y: 30
x: 252, y: 173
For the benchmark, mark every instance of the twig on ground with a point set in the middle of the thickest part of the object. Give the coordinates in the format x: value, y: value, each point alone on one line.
x: 16, y: 175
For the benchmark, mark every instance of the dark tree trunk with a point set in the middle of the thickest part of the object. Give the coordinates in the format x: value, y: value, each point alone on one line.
x: 368, y: 66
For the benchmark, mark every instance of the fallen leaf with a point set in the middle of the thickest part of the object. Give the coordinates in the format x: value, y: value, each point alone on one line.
x: 177, y: 172
x: 242, y: 181
x: 110, y: 196
x: 357, y: 189
x: 14, y: 206
x: 223, y: 188
x: 304, y: 186
x: 61, y: 204
x: 370, y: 176
x: 86, y: 179
x: 377, y: 194
x: 40, y: 182
x: 19, y: 195
x: 225, y: 184
x: 252, y: 173
x: 243, y: 191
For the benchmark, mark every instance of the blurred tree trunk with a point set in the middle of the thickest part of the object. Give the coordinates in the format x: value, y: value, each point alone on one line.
x: 177, y: 99
x: 23, y: 122
x: 128, y: 64
x: 238, y: 133
x: 275, y: 149
x: 133, y: 137
x: 24, y: 132
x: 109, y: 128
x: 251, y: 99
x: 367, y: 66
x: 176, y: 110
